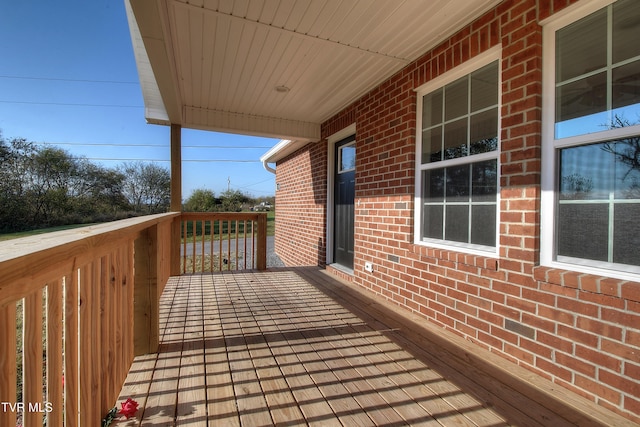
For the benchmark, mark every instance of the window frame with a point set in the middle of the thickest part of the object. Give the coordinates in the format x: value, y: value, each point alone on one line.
x: 474, y: 64
x: 551, y: 148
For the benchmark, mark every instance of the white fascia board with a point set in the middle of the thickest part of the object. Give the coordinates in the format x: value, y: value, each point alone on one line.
x: 283, y: 148
x: 155, y: 111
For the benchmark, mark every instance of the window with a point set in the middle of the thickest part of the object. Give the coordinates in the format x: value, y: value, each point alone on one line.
x: 457, y: 182
x: 591, y: 169
x: 347, y: 158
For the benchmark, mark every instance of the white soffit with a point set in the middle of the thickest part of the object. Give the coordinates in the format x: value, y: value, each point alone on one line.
x: 217, y: 64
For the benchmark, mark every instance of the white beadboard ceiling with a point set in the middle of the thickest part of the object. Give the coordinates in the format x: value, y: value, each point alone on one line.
x: 216, y: 64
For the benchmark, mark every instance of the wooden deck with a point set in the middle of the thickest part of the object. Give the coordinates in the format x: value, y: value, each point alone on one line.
x: 298, y: 347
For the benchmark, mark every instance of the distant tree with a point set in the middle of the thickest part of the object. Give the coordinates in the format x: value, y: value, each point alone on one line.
x: 42, y: 186
x: 147, y: 186
x: 202, y: 200
x: 233, y: 200
x: 14, y: 155
x: 99, y: 193
x: 51, y: 176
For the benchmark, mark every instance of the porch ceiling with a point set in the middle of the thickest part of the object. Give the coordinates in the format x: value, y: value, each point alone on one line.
x: 223, y: 65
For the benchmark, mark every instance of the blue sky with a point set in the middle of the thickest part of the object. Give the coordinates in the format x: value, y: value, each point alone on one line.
x: 68, y: 77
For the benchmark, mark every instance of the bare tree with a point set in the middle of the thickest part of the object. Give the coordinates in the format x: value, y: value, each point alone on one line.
x: 626, y: 150
x: 147, y: 186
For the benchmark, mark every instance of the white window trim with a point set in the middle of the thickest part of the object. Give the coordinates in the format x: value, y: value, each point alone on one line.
x: 550, y: 147
x: 486, y: 58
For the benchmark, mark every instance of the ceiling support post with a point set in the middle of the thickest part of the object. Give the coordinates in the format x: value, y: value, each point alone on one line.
x: 176, y: 168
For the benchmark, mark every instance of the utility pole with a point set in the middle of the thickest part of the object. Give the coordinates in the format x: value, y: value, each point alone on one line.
x: 228, y: 184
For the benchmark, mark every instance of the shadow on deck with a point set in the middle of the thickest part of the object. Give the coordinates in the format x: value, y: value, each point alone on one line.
x: 299, y: 347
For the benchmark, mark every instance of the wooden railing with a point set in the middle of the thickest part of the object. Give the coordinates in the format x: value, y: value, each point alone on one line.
x: 67, y: 317
x: 76, y: 306
x: 223, y: 241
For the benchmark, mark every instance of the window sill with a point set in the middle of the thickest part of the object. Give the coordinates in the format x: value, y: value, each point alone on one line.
x: 474, y: 260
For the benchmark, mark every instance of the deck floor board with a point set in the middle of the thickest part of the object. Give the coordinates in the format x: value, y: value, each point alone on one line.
x: 288, y: 347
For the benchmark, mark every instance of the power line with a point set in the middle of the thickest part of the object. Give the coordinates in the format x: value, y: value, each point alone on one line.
x: 113, y: 144
x: 257, y: 183
x: 102, y: 144
x: 69, y: 80
x: 224, y: 146
x: 220, y: 161
x: 70, y: 104
x: 166, y: 161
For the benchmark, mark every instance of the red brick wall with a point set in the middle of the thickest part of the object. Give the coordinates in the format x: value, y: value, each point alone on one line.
x: 301, y: 206
x: 578, y: 330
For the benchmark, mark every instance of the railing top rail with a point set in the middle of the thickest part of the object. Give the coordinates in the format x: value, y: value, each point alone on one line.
x: 27, y: 257
x: 249, y: 216
x: 31, y: 245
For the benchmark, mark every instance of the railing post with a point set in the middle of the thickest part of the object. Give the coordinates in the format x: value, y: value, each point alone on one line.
x: 71, y: 345
x: 146, y: 297
x: 8, y: 362
x: 261, y: 260
x: 55, y: 351
x: 90, y: 342
x: 176, y: 168
x: 165, y: 254
x: 176, y: 243
x: 32, y: 355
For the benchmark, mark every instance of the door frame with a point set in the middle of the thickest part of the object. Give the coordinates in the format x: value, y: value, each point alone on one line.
x: 331, y: 170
